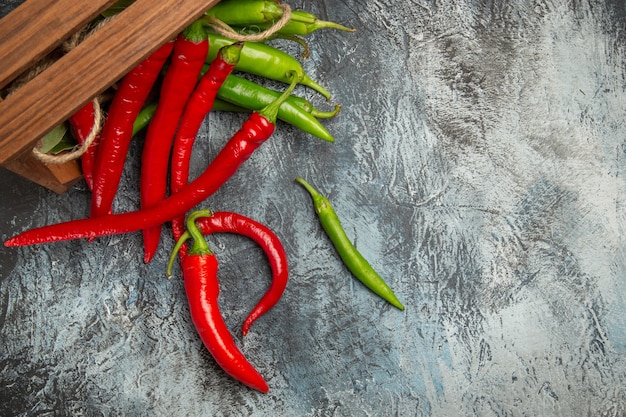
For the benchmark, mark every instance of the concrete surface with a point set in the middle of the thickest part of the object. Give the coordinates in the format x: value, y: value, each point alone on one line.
x: 479, y: 165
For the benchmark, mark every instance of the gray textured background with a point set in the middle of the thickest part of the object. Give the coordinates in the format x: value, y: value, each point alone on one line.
x: 479, y: 165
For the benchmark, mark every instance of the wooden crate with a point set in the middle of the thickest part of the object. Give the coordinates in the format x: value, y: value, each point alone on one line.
x: 34, y: 29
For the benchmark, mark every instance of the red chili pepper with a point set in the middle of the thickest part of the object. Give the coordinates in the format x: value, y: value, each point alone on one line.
x: 117, y: 129
x: 200, y: 103
x: 81, y: 124
x: 253, y: 133
x: 229, y: 222
x: 199, y: 268
x: 188, y: 56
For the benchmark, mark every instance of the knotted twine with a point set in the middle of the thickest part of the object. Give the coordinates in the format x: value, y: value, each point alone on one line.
x: 98, y: 117
x: 225, y: 30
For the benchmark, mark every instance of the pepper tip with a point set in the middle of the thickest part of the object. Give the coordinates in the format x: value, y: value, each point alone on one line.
x: 13, y: 242
x: 393, y: 300
x: 263, y: 388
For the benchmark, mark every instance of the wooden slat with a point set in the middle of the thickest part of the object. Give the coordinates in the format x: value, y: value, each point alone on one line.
x: 36, y: 27
x: 58, y: 178
x: 89, y: 69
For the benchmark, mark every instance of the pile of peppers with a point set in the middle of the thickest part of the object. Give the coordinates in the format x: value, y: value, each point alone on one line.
x: 190, y: 76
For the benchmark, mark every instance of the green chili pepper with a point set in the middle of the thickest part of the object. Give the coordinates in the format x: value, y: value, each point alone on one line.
x: 265, y: 61
x: 221, y: 105
x: 301, y: 23
x: 144, y: 117
x: 248, y: 94
x: 246, y: 12
x: 304, y: 104
x: 146, y: 113
x: 351, y: 257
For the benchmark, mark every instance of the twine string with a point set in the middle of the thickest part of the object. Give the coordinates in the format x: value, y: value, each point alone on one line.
x: 225, y: 30
x: 78, y: 150
x: 98, y: 117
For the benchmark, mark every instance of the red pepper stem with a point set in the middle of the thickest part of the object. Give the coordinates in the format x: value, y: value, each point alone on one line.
x: 179, y: 243
x: 200, y: 247
x: 195, y: 32
x: 230, y: 54
x: 270, y: 112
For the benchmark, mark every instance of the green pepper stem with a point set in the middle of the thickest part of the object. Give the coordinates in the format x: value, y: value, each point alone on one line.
x: 302, y: 16
x: 320, y: 114
x: 306, y: 53
x: 312, y: 23
x: 308, y: 187
x: 309, y: 82
x: 324, y: 24
x: 319, y: 201
x: 270, y: 112
x: 307, y: 106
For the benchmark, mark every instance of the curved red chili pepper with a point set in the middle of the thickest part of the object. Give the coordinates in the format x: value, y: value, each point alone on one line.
x: 81, y: 124
x: 200, y: 103
x: 199, y: 268
x: 229, y: 222
x: 118, y: 126
x: 253, y: 133
x: 188, y: 56
x: 202, y: 290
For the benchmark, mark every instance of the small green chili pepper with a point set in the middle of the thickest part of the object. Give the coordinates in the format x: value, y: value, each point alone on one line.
x: 144, y: 117
x: 265, y: 61
x: 302, y: 23
x: 221, y: 105
x: 146, y: 113
x: 246, y: 12
x: 248, y: 94
x: 351, y: 257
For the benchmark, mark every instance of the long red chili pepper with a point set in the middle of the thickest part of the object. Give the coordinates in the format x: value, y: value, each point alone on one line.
x: 81, y: 124
x: 229, y: 222
x: 253, y: 133
x: 118, y: 126
x: 200, y: 103
x: 190, y: 50
x: 199, y: 268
